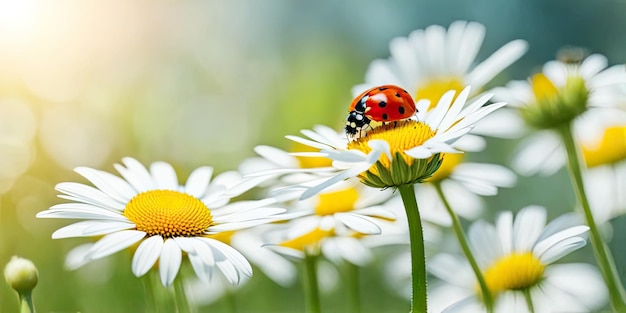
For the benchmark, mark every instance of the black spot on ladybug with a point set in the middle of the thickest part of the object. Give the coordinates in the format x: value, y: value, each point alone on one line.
x: 401, y: 110
x: 385, y: 116
x: 397, y: 95
x: 404, y: 91
x: 382, y: 88
x: 382, y: 104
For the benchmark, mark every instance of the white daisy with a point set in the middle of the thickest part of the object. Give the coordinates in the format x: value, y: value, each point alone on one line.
x: 432, y: 61
x: 151, y: 209
x: 399, y: 153
x: 586, y: 93
x: 516, y: 257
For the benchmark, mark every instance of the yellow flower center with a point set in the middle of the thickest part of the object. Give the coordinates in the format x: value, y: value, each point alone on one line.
x: 225, y: 236
x: 610, y: 149
x: 543, y: 88
x: 434, y: 89
x: 450, y: 161
x: 400, y: 136
x: 310, y: 162
x: 169, y: 214
x: 336, y: 201
x: 308, y: 240
x: 514, y: 272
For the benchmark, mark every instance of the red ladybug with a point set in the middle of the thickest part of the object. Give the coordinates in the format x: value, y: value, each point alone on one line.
x: 385, y: 103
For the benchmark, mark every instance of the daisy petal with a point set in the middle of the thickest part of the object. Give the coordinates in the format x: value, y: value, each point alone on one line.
x: 164, y: 176
x: 198, y: 181
x: 147, y: 254
x: 169, y: 262
x: 115, y: 242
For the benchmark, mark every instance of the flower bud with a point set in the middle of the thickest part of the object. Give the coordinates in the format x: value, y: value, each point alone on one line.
x: 21, y: 274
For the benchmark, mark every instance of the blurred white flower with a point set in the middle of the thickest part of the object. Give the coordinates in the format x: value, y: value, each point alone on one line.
x: 517, y: 256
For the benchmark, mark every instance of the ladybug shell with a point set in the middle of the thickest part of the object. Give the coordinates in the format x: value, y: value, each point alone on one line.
x: 384, y: 103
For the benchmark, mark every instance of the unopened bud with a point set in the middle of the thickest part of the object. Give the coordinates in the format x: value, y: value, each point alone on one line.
x: 21, y: 274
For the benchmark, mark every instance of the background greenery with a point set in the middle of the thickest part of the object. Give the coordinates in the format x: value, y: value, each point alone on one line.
x: 84, y: 83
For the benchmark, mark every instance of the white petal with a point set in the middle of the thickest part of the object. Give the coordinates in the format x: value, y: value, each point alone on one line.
x: 307, y: 142
x: 358, y: 223
x: 504, y: 229
x: 233, y: 256
x: 142, y: 180
x: 87, y: 194
x: 78, y: 256
x: 80, y: 211
x: 497, y: 62
x: 560, y: 244
x: 115, y: 242
x: 164, y: 176
x: 277, y: 156
x: 485, y: 243
x: 146, y: 255
x: 542, y: 153
x: 527, y: 227
x: 198, y: 181
x: 169, y: 262
x: 91, y: 228
x: 110, y: 184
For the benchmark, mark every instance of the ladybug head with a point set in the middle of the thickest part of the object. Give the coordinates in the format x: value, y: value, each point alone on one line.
x: 361, y: 106
x: 355, y: 122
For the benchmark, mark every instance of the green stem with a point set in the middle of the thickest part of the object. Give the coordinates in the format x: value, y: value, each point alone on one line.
x: 180, y: 298
x: 601, y: 251
x: 529, y: 300
x: 460, y: 236
x: 311, y: 288
x: 418, y: 258
x: 26, y: 303
x: 354, y: 294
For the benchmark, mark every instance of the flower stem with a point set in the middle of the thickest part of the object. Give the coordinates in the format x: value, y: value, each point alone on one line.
x: 26, y: 303
x: 418, y: 258
x: 354, y: 294
x: 311, y: 288
x: 460, y: 236
x: 601, y: 252
x: 180, y: 298
x: 529, y: 300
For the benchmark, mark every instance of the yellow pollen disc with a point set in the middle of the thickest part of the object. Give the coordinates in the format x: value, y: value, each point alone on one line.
x: 610, y: 149
x: 309, y: 239
x: 310, y: 162
x: 450, y: 161
x: 336, y: 201
x: 434, y: 89
x: 169, y: 214
x: 543, y: 88
x: 400, y: 136
x: 514, y: 272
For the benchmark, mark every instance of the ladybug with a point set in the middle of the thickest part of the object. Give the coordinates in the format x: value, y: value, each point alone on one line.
x: 385, y: 103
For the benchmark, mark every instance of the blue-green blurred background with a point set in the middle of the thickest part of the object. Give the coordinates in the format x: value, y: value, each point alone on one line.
x: 84, y: 83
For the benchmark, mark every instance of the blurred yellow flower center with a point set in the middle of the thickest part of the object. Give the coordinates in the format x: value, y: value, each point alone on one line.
x: 308, y: 240
x: 434, y: 89
x: 336, y: 201
x: 543, y: 88
x: 514, y: 272
x: 169, y: 214
x: 610, y: 149
x: 310, y: 162
x: 450, y: 161
x: 225, y: 236
x: 400, y: 136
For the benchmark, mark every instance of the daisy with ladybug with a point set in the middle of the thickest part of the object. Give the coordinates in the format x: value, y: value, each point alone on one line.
x: 387, y: 103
